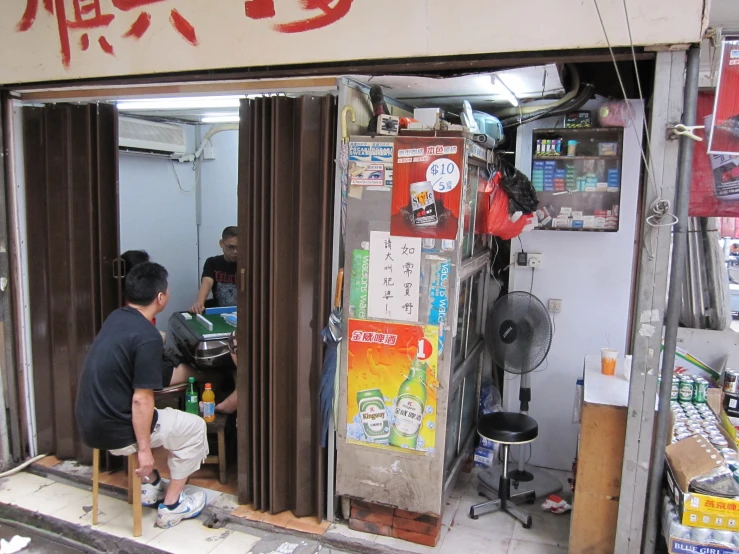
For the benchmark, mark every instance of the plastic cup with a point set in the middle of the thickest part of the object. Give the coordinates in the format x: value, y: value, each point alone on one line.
x: 608, y: 359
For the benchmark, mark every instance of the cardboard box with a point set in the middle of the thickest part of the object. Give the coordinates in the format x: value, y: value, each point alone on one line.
x: 682, y: 546
x: 686, y: 460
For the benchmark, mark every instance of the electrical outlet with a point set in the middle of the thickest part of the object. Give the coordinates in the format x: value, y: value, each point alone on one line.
x: 209, y: 152
x: 534, y: 260
x: 555, y: 305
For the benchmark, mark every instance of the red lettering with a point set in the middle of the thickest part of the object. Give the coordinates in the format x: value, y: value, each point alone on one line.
x: 88, y: 15
x: 139, y: 27
x: 265, y: 9
x: 183, y: 27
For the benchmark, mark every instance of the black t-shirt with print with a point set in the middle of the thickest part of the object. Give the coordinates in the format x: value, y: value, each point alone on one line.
x: 223, y: 274
x: 127, y: 354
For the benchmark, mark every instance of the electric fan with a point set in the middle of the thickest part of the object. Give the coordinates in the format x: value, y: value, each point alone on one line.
x: 520, y: 334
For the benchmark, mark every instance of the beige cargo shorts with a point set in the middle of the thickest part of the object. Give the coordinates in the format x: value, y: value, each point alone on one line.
x: 183, y: 435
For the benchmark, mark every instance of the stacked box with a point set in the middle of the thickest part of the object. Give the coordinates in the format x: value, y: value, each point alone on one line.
x: 559, y: 180
x: 614, y: 179
x: 549, y: 169
x: 571, y: 176
x: 537, y: 176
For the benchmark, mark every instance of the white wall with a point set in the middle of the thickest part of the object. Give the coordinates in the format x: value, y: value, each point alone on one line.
x: 218, y: 192
x: 157, y: 214
x: 592, y: 274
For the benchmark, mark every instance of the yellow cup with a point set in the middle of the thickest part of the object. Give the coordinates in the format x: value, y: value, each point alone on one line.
x: 608, y: 359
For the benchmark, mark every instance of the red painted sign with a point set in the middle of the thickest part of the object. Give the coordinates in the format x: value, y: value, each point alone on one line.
x: 79, y: 19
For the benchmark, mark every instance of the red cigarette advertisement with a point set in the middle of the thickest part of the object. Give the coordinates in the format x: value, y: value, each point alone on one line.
x: 427, y: 187
x: 714, y: 187
x: 725, y: 132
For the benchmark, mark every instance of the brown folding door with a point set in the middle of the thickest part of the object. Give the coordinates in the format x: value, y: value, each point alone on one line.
x: 71, y: 192
x: 286, y: 177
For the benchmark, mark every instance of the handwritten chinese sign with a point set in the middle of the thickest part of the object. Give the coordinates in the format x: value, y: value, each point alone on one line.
x: 394, y: 276
x: 79, y: 20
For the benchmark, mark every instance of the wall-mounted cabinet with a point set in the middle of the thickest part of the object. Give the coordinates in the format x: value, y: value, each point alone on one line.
x: 577, y: 177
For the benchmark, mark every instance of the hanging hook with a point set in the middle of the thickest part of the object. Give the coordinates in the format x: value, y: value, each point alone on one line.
x: 344, y: 132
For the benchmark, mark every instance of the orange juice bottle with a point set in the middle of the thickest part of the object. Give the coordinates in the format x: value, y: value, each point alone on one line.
x: 209, y: 404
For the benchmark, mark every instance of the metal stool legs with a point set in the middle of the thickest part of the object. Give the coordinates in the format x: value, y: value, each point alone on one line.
x: 134, y: 490
x: 503, y: 500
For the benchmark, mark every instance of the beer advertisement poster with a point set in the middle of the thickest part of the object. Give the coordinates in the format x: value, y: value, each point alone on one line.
x: 427, y: 187
x: 392, y: 384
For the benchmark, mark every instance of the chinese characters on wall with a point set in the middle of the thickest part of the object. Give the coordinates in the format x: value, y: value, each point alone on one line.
x: 108, y: 21
x: 394, y: 275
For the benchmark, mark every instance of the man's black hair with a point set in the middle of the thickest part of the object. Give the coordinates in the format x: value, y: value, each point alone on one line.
x: 230, y: 232
x: 133, y: 258
x: 144, y: 283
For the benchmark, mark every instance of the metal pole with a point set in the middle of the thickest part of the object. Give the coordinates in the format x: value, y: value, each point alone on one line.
x: 674, y: 300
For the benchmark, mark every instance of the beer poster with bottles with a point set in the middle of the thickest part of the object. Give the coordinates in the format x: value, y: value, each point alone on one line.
x: 427, y: 187
x: 392, y: 384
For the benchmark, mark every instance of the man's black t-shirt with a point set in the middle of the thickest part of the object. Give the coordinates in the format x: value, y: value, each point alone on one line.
x: 127, y: 354
x: 223, y: 274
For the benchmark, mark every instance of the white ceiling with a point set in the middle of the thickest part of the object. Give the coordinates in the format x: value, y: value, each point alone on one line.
x: 484, y: 91
x: 481, y: 90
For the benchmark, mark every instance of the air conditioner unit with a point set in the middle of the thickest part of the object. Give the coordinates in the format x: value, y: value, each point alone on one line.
x: 140, y: 135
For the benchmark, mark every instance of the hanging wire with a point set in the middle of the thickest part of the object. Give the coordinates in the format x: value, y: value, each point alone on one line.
x: 650, y: 175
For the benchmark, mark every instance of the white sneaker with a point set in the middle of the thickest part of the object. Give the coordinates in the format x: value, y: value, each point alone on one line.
x: 190, y: 506
x: 151, y: 494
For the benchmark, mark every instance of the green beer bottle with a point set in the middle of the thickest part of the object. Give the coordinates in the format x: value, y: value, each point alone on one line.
x: 191, y: 398
x: 409, y: 407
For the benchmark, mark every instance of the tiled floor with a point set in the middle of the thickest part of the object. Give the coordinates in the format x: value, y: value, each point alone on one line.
x: 490, y: 534
x: 496, y: 533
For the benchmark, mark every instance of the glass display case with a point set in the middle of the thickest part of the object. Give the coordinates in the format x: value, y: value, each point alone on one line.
x: 577, y: 177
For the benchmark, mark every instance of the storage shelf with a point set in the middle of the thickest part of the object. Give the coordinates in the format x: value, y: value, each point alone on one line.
x: 578, y: 130
x: 577, y: 192
x: 548, y: 158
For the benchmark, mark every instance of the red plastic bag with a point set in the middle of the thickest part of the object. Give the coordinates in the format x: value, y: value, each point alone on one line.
x: 499, y: 222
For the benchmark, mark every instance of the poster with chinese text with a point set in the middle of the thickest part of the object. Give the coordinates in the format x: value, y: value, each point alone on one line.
x: 724, y: 137
x: 391, y: 385
x: 394, y: 276
x: 427, y: 187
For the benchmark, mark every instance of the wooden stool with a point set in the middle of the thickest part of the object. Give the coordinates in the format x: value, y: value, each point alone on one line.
x: 218, y: 427
x: 134, y: 490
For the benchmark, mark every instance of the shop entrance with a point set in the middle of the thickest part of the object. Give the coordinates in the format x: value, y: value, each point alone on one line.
x: 92, y: 191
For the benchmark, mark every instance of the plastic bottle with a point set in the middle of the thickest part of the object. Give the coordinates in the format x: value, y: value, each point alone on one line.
x: 191, y: 398
x: 209, y: 404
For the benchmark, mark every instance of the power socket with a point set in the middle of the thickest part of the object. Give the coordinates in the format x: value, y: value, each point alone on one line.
x: 534, y: 260
x: 555, y: 305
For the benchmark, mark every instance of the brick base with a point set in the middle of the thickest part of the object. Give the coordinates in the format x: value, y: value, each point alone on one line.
x: 422, y: 529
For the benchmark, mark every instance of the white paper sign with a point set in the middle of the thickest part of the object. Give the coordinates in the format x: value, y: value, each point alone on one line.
x: 394, y: 275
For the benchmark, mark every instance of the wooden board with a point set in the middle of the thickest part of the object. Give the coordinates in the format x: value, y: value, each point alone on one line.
x: 598, y: 481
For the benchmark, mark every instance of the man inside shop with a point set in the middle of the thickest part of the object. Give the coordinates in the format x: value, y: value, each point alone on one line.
x: 219, y: 275
x: 115, y: 399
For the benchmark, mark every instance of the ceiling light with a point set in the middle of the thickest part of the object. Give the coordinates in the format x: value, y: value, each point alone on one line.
x: 184, y: 103
x: 220, y: 119
x: 505, y: 92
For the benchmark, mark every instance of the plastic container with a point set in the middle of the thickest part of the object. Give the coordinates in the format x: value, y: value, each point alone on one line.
x: 209, y: 404
x: 191, y: 398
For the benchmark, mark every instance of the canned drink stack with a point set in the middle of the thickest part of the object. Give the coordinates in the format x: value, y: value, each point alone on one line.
x: 686, y: 389
x: 730, y: 381
x: 700, y: 391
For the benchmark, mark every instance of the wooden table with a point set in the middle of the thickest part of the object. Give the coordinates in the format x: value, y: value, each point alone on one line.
x: 599, y: 460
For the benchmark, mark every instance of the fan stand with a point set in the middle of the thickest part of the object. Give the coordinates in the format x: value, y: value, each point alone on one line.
x: 524, y: 480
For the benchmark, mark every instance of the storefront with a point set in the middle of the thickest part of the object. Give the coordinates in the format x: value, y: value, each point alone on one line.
x: 280, y: 62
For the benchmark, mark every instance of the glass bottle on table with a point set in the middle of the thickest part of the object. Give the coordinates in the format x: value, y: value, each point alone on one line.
x: 191, y: 398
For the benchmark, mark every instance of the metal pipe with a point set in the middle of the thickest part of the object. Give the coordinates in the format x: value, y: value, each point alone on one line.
x: 677, y: 274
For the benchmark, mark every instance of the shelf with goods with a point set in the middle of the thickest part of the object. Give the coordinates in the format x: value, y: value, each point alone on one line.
x: 577, y: 177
